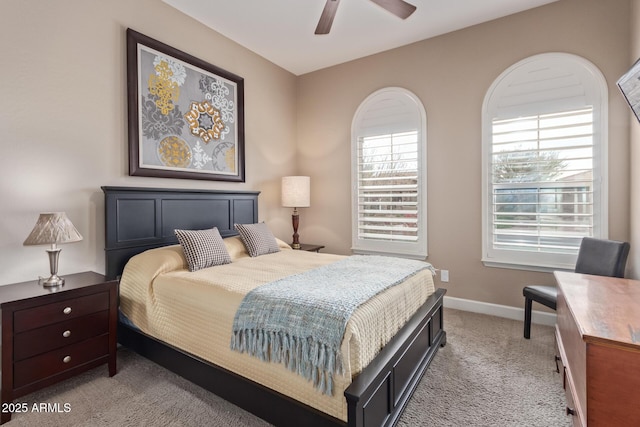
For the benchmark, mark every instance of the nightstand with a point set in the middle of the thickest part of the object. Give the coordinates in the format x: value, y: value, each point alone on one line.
x: 52, y: 334
x: 310, y: 248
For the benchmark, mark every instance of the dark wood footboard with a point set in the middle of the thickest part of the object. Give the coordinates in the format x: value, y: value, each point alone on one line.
x: 376, y: 397
x: 379, y: 394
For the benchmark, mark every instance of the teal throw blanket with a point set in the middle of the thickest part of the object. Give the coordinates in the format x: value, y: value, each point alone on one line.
x: 300, y: 320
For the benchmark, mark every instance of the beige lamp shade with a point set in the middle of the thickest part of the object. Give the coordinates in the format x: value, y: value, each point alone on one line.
x: 53, y: 228
x: 296, y: 191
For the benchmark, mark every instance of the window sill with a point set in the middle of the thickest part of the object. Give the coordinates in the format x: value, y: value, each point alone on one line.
x: 527, y: 267
x: 420, y: 257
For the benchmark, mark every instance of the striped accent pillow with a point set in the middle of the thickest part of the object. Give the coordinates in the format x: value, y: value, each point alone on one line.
x: 257, y: 238
x: 203, y: 248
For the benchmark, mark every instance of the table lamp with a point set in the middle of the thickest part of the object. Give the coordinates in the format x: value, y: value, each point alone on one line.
x: 296, y: 193
x: 53, y: 228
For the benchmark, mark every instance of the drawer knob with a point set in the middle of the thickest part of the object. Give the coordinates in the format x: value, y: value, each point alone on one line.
x: 66, y: 334
x: 67, y: 359
x: 67, y: 310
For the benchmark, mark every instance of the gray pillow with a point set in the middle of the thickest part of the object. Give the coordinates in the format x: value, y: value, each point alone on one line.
x: 203, y: 248
x: 257, y: 238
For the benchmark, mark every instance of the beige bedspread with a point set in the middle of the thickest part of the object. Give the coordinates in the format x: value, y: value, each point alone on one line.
x: 194, y: 311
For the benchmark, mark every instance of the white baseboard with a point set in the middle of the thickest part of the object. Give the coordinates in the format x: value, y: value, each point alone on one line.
x: 538, y: 317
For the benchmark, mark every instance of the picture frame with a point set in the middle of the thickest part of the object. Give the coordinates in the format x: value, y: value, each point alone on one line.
x: 185, y: 116
x: 629, y: 85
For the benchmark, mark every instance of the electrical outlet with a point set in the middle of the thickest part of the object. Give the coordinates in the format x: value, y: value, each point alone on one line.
x: 444, y: 275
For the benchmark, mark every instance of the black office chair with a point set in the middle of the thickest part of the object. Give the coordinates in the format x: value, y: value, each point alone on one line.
x: 596, y: 256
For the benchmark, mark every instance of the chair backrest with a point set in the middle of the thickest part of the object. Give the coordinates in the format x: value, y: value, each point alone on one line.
x: 602, y: 257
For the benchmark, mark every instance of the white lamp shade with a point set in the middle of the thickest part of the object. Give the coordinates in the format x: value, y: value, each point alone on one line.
x: 53, y: 228
x: 296, y: 191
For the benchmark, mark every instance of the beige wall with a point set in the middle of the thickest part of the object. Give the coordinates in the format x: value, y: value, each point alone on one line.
x: 63, y: 120
x: 451, y: 75
x: 634, y: 256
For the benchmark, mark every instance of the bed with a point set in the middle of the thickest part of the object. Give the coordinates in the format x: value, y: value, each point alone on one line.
x: 138, y: 220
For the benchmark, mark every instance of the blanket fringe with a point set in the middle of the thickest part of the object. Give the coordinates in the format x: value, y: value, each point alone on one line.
x: 311, y: 359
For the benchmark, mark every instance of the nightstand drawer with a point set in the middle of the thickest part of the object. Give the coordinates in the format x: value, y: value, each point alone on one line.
x: 48, y: 314
x: 47, y: 338
x: 54, y: 362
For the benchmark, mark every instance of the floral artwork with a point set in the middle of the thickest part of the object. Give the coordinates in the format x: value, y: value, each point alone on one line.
x: 185, y: 115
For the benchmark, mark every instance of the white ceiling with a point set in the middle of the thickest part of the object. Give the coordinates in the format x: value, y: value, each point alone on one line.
x: 282, y: 31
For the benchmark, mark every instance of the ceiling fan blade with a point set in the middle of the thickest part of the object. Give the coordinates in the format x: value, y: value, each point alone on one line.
x: 326, y: 19
x: 400, y: 8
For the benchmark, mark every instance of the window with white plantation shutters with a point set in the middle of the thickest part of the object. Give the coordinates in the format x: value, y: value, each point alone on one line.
x: 544, y: 171
x: 389, y: 161
x: 542, y: 179
x: 388, y: 187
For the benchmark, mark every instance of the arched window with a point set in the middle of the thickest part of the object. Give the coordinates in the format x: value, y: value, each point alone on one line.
x: 389, y: 170
x: 544, y: 146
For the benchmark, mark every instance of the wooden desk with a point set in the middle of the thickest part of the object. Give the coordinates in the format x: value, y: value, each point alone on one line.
x: 598, y: 335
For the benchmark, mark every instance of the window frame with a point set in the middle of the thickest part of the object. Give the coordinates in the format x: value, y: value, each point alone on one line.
x: 596, y: 94
x: 418, y: 249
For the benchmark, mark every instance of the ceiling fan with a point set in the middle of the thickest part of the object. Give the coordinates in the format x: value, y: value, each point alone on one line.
x: 400, y: 8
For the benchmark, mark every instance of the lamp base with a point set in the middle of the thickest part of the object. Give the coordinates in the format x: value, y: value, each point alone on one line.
x: 52, y: 282
x: 295, y: 220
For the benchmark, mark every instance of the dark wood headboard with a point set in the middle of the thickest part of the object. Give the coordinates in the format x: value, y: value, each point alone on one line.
x: 138, y: 219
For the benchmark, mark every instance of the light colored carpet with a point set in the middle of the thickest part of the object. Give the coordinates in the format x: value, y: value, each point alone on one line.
x: 486, y: 375
x: 489, y: 375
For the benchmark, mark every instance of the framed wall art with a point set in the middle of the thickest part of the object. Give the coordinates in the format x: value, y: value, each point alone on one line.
x: 629, y: 85
x: 186, y: 116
